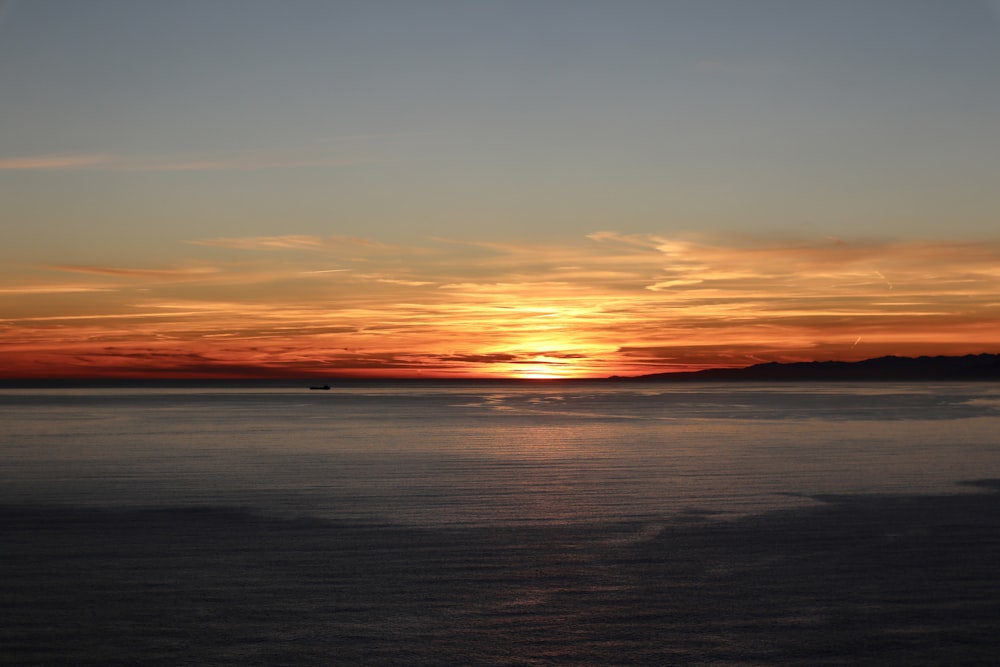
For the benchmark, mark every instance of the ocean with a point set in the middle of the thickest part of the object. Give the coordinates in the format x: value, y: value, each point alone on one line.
x: 500, y: 523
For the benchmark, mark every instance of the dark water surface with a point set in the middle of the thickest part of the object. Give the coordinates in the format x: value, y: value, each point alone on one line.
x: 501, y: 525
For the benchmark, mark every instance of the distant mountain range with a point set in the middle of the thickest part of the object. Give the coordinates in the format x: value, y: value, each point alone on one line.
x: 891, y: 368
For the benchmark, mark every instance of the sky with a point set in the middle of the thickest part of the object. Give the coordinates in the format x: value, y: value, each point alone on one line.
x: 503, y: 188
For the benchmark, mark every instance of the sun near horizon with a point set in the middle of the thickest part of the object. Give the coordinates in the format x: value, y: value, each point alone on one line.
x: 507, y: 190
x: 605, y: 305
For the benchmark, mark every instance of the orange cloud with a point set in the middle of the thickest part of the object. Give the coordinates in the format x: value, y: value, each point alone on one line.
x: 607, y: 304
x: 303, y: 242
x: 56, y: 289
x: 139, y: 272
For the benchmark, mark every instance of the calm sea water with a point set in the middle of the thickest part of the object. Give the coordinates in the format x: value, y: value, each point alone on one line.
x: 497, y: 523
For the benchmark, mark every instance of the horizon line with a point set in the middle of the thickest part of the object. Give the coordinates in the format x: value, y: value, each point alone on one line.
x: 150, y: 379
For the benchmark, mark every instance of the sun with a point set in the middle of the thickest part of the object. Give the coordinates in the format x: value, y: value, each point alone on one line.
x: 550, y: 355
x: 539, y: 375
x: 544, y: 367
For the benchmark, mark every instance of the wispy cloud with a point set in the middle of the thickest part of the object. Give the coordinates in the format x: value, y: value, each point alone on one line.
x: 105, y: 316
x: 57, y: 289
x: 54, y: 162
x: 207, y: 161
x: 399, y: 281
x: 138, y: 272
x: 610, y: 303
x: 294, y: 242
x: 287, y: 242
x: 321, y: 272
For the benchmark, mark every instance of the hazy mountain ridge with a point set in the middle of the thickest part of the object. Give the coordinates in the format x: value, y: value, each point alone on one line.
x: 968, y: 367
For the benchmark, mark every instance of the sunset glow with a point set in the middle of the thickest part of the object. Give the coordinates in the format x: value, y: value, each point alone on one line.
x: 515, y: 190
x: 603, y: 305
